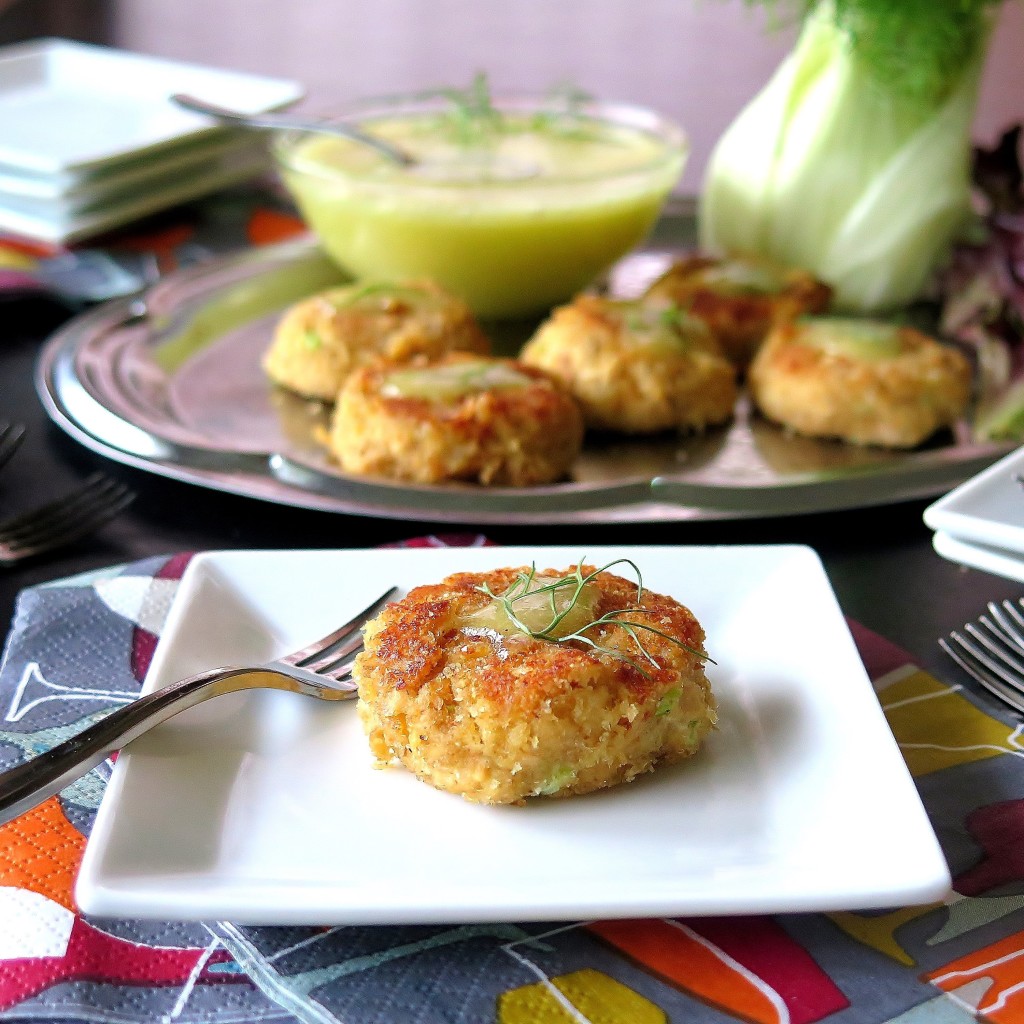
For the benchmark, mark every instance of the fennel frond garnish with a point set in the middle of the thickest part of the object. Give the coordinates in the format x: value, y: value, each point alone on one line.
x: 473, y: 119
x: 551, y: 604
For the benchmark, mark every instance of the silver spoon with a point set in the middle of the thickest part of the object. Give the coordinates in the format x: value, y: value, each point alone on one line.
x: 284, y: 122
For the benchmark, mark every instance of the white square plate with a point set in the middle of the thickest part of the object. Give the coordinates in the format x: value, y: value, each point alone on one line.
x: 265, y: 807
x: 987, y: 509
x: 997, y: 561
x: 62, y: 223
x: 50, y: 194
x: 65, y: 109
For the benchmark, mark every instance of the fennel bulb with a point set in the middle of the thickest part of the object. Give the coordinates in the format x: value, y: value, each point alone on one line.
x: 854, y: 171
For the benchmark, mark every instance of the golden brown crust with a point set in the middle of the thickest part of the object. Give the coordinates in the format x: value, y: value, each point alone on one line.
x: 894, y: 401
x: 319, y: 341
x: 500, y: 718
x: 630, y: 373
x: 515, y: 436
x: 740, y: 316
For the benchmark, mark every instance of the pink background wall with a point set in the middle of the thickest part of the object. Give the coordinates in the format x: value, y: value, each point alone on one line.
x: 697, y: 61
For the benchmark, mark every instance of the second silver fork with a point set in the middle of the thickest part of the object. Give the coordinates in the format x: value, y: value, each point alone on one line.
x: 11, y: 436
x: 62, y: 521
x: 991, y: 651
x: 322, y: 669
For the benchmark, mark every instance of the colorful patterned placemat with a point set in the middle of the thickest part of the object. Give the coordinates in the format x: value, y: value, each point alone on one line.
x: 80, y: 646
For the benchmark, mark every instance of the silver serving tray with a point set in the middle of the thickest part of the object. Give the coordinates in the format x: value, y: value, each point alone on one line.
x: 170, y: 382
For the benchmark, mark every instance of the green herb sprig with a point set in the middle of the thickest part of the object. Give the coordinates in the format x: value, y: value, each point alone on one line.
x: 524, y: 585
x: 472, y: 118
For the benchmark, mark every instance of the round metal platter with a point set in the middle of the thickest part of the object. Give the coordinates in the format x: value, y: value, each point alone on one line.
x: 170, y: 382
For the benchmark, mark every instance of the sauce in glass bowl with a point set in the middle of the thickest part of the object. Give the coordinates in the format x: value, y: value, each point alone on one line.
x: 515, y: 208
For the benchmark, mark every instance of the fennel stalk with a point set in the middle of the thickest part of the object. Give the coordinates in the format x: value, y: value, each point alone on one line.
x: 853, y: 161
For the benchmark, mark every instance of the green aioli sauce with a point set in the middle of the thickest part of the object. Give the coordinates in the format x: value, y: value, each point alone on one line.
x: 856, y: 338
x: 454, y: 381
x: 520, y: 219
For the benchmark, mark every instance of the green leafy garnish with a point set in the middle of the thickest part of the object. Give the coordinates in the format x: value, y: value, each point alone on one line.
x: 311, y: 340
x: 472, y: 119
x: 563, y: 594
x: 914, y: 47
x: 565, y: 115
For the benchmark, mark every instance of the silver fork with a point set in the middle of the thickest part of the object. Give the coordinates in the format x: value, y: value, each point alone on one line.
x: 11, y: 435
x: 991, y: 651
x: 59, y: 522
x: 322, y: 669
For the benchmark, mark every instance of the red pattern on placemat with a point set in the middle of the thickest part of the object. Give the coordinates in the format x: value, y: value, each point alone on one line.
x: 143, y: 641
x: 444, y: 540
x: 748, y: 967
x: 95, y: 956
x: 880, y: 656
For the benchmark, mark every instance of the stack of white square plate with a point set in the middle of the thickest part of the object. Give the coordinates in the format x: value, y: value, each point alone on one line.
x: 89, y: 139
x: 981, y: 522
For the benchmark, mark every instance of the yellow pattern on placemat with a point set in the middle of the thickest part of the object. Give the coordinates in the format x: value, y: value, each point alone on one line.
x: 879, y: 930
x: 596, y: 997
x: 937, y: 728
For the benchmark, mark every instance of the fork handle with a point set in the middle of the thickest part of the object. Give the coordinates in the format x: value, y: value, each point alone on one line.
x: 28, y: 784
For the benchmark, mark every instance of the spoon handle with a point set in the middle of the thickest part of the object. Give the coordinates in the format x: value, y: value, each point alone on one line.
x: 286, y: 122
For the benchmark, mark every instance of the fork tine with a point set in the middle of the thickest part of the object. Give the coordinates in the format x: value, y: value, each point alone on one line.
x: 54, y: 511
x: 1001, y: 646
x: 976, y: 669
x: 11, y: 435
x: 1014, y: 630
x: 64, y: 520
x: 93, y: 499
x: 1004, y: 671
x: 338, y: 666
x: 319, y: 656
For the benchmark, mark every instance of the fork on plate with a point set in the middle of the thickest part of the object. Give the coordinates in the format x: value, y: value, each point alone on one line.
x: 59, y: 522
x: 991, y: 651
x: 11, y: 435
x: 322, y: 669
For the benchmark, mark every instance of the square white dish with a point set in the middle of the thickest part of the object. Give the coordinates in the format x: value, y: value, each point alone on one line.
x: 54, y: 194
x: 64, y: 108
x: 265, y: 807
x: 60, y: 224
x: 997, y: 561
x: 987, y: 509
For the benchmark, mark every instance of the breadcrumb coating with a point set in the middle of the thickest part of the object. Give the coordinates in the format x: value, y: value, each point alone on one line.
x: 458, y: 417
x: 319, y: 341
x: 740, y: 298
x: 864, y: 382
x: 636, y: 367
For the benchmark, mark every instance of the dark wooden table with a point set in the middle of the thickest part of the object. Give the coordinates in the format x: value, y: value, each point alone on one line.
x: 880, y: 560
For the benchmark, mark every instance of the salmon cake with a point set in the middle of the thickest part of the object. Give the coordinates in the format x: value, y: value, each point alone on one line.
x: 863, y: 381
x: 740, y: 298
x: 636, y: 367
x: 457, y: 417
x: 516, y: 683
x: 319, y: 341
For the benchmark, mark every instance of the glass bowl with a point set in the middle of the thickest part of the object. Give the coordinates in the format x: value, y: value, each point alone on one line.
x: 514, y: 206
